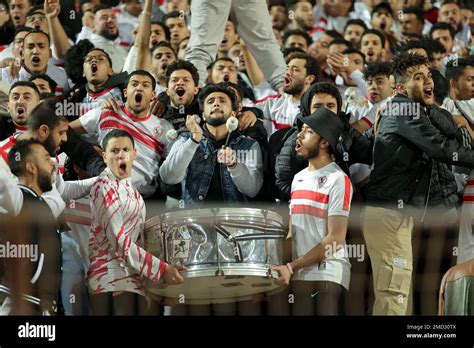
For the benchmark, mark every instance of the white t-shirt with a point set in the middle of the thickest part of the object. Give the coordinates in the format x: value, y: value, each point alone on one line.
x: 150, y: 141
x: 316, y: 195
x: 279, y: 111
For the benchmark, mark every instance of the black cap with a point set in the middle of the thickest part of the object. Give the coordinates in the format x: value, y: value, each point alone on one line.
x: 384, y: 5
x: 324, y: 122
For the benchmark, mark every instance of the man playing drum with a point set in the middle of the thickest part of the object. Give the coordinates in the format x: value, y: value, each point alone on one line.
x: 118, y: 264
x: 319, y: 208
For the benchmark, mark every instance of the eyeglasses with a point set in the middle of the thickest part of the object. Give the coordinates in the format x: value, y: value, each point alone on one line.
x: 89, y: 59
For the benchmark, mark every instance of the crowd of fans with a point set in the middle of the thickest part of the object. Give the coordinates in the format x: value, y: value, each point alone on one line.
x: 109, y: 106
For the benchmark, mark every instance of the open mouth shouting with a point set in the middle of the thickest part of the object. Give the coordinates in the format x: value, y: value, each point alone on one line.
x: 226, y: 78
x: 164, y: 66
x: 122, y: 168
x: 138, y: 98
x: 21, y: 112
x: 36, y: 61
x: 428, y: 93
x: 180, y: 92
x: 383, y: 25
x: 370, y: 54
x: 298, y: 145
x: 16, y: 19
x: 94, y: 69
x: 287, y: 81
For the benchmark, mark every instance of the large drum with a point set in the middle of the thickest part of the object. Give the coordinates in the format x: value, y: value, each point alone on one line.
x: 228, y: 252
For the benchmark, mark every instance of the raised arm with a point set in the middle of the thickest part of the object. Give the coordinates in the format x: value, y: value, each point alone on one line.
x: 59, y: 39
x: 142, y: 39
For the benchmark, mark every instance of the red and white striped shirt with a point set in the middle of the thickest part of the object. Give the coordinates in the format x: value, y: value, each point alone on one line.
x: 315, y: 196
x: 150, y: 141
x: 279, y: 111
x: 93, y: 100
x: 117, y: 260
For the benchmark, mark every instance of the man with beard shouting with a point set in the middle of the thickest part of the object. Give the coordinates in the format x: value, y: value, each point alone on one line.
x: 135, y: 118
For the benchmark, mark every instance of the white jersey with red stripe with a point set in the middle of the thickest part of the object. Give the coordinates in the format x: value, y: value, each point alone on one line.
x: 93, y: 100
x: 365, y: 110
x: 466, y: 225
x: 78, y: 216
x: 279, y: 111
x: 117, y: 260
x: 56, y: 73
x: 315, y: 196
x: 7, y: 144
x: 150, y: 141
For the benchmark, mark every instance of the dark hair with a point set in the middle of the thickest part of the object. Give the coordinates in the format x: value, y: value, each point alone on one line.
x: 174, y: 14
x: 37, y: 31
x: 45, y: 113
x: 447, y: 2
x: 141, y: 73
x: 52, y: 84
x: 414, y: 44
x: 455, y: 67
x: 21, y: 29
x: 311, y: 65
x: 164, y: 27
x: 24, y: 84
x: 433, y: 46
x: 376, y: 32
x: 74, y: 60
x: 162, y: 44
x: 34, y: 10
x: 334, y: 34
x: 340, y: 42
x: 417, y: 11
x: 18, y: 155
x: 116, y: 133
x: 297, y: 32
x: 319, y: 88
x: 404, y: 61
x: 218, y: 87
x: 442, y: 26
x: 46, y: 95
x: 382, y: 5
x: 225, y: 59
x: 289, y: 50
x: 182, y: 65
x: 378, y: 68
x: 100, y: 50
x: 357, y: 21
x: 441, y: 86
x: 235, y: 86
x: 352, y: 50
x: 101, y: 7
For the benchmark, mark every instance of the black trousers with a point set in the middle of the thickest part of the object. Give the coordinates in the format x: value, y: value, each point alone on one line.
x: 315, y: 298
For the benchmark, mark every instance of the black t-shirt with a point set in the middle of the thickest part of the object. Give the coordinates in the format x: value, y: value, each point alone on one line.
x: 215, y: 193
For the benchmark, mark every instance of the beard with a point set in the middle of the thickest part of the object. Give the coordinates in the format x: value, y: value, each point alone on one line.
x: 50, y: 146
x: 294, y: 89
x: 109, y: 36
x: 302, y: 23
x: 313, y: 152
x: 44, y: 181
x: 216, y: 121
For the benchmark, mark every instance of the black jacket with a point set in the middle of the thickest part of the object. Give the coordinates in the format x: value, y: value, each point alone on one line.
x: 352, y: 147
x: 82, y: 153
x: 39, y: 277
x: 404, y: 149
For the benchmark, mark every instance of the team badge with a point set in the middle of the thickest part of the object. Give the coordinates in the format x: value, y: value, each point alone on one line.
x: 158, y: 131
x: 321, y: 181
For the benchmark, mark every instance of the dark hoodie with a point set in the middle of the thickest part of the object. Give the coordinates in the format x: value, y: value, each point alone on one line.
x: 352, y: 147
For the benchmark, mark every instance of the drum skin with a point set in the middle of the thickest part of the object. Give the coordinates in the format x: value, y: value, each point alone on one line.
x: 228, y: 253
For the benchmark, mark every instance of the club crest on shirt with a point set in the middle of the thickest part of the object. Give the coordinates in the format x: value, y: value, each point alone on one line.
x: 158, y: 131
x: 321, y: 181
